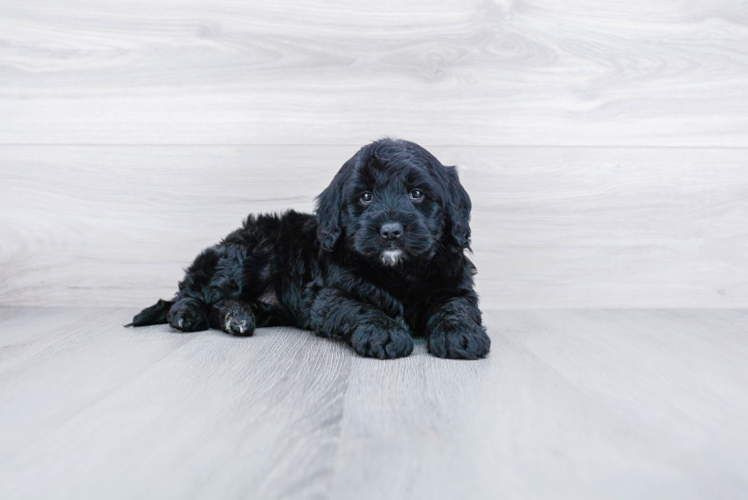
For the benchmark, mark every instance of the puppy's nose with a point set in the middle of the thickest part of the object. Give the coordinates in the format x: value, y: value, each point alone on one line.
x: 391, y: 230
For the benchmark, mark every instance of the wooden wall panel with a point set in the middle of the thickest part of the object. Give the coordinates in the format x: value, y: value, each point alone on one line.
x: 603, y: 142
x: 552, y: 227
x: 467, y: 72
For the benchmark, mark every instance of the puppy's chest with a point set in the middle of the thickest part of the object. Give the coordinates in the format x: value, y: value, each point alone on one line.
x: 407, y: 292
x: 415, y: 299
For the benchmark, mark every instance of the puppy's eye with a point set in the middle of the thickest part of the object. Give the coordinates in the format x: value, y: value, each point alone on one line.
x: 366, y: 197
x: 416, y: 195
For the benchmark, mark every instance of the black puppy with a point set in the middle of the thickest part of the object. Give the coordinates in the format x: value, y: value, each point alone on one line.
x: 383, y: 260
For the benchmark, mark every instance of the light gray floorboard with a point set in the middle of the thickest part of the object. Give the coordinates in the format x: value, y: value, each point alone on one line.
x: 569, y: 404
x: 604, y: 404
x: 500, y: 72
x: 100, y: 411
x: 552, y: 227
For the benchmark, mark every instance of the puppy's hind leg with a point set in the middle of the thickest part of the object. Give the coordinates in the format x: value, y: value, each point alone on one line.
x: 213, y: 290
x: 234, y: 317
x: 191, y: 304
x: 188, y: 315
x: 153, y: 315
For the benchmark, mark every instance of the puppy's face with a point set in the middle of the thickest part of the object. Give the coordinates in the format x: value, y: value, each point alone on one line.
x: 391, y: 211
x: 393, y: 202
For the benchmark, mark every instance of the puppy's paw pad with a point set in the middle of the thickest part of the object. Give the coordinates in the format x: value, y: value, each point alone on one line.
x: 239, y: 325
x: 383, y: 342
x: 237, y: 319
x: 188, y: 316
x: 459, y: 341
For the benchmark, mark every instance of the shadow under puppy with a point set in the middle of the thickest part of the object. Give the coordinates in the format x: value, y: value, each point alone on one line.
x: 382, y: 260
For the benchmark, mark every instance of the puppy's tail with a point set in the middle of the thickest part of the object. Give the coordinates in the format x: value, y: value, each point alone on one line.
x: 154, y: 315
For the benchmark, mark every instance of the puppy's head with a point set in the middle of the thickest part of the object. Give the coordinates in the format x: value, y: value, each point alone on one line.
x: 393, y: 202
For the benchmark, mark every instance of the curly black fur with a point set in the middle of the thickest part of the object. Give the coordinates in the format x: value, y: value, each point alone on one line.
x: 382, y: 261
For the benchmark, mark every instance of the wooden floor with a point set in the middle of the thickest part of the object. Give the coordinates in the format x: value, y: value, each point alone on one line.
x: 570, y: 404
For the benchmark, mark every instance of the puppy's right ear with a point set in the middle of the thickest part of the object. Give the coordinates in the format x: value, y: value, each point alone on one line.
x: 329, y: 208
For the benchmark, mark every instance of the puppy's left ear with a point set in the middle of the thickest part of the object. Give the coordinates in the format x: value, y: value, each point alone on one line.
x: 329, y: 208
x: 458, y: 206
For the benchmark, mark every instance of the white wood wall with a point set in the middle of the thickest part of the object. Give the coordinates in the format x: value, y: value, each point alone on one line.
x: 604, y: 143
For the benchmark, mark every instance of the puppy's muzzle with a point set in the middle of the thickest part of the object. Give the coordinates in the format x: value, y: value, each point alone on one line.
x: 391, y: 230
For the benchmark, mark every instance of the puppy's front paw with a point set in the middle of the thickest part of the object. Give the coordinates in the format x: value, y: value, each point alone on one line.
x: 459, y: 340
x: 234, y: 317
x: 384, y: 341
x: 188, y: 315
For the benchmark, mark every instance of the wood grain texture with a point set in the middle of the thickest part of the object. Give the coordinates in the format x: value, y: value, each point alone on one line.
x: 94, y: 410
x: 569, y: 404
x: 455, y: 72
x: 603, y: 404
x: 552, y: 227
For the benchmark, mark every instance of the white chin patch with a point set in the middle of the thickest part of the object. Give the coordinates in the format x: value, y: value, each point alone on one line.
x: 391, y: 257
